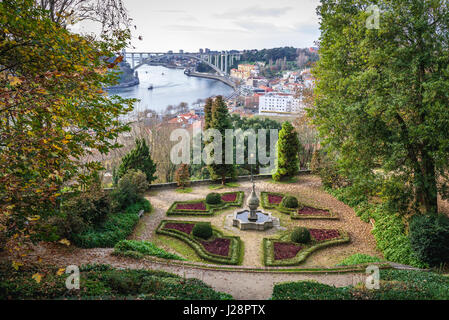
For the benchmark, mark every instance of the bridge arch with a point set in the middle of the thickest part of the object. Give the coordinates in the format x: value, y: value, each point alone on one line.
x: 151, y: 59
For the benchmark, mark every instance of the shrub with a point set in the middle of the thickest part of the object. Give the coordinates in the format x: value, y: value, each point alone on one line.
x: 429, y: 237
x: 138, y: 249
x: 130, y: 189
x: 300, y: 235
x: 182, y: 175
x: 92, y: 206
x: 359, y: 258
x: 213, y: 198
x: 290, y: 202
x: 202, y: 230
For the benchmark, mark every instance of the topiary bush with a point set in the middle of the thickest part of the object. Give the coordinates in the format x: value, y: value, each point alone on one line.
x: 290, y: 202
x: 202, y: 230
x: 300, y: 235
x: 213, y: 198
x: 429, y: 238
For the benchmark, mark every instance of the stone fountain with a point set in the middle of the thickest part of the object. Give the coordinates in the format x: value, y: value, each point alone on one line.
x: 251, y: 218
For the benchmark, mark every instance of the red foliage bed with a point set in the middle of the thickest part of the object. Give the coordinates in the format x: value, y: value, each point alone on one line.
x: 183, y: 227
x: 217, y: 246
x: 322, y: 234
x: 285, y: 250
x: 198, y: 206
x: 309, y: 211
x: 230, y: 197
x: 274, y: 199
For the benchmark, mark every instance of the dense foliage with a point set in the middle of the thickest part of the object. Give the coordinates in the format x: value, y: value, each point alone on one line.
x: 288, y: 148
x: 213, y: 198
x: 429, y: 237
x: 219, y: 120
x: 130, y: 189
x: 138, y: 158
x: 290, y: 202
x: 300, y: 235
x: 182, y: 175
x: 358, y: 258
x: 395, y: 285
x: 118, y: 226
x: 202, y: 230
x: 104, y: 282
x: 381, y: 101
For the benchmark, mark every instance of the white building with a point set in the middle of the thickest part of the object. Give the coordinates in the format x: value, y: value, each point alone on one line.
x: 275, y: 103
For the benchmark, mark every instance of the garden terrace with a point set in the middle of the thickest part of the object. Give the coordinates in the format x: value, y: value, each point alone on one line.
x: 219, y: 249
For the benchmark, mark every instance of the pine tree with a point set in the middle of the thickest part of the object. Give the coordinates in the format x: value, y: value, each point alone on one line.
x: 138, y: 158
x: 287, y: 152
x: 182, y: 175
x: 220, y: 120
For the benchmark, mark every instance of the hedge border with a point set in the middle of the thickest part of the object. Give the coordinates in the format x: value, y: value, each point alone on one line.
x: 210, y: 209
x: 234, y: 248
x: 293, y: 212
x: 268, y: 250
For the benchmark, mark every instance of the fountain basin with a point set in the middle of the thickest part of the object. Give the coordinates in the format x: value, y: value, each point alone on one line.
x: 243, y: 222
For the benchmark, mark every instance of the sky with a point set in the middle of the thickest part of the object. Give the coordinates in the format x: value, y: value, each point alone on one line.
x: 222, y: 25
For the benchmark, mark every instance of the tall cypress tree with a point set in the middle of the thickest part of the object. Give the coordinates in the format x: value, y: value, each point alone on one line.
x: 220, y: 120
x: 287, y: 152
x: 138, y: 158
x: 208, y: 113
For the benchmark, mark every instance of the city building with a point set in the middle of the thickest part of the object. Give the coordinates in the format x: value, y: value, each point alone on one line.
x: 245, y: 71
x: 276, y: 103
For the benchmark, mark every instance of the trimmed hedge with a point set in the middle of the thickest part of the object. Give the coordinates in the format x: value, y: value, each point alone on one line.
x: 103, y: 282
x: 202, y: 230
x: 234, y: 249
x: 268, y: 249
x: 389, y: 227
x: 210, y: 208
x: 213, y: 198
x: 118, y: 226
x: 293, y: 212
x: 140, y: 249
x: 300, y: 235
x: 395, y: 285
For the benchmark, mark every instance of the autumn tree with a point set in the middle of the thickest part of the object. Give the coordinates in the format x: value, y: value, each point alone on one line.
x: 182, y: 175
x: 138, y: 158
x: 53, y: 111
x: 381, y: 96
x: 288, y: 148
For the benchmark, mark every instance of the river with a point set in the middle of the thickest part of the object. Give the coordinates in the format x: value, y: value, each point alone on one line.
x: 170, y: 87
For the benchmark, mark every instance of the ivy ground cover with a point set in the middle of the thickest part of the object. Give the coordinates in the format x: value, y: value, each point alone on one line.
x: 200, y: 207
x: 219, y: 249
x: 283, y: 252
x: 274, y: 200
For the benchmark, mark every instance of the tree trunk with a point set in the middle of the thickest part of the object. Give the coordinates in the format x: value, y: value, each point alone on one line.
x: 429, y: 184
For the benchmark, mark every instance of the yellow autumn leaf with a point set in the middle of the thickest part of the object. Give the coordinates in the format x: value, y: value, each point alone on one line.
x: 16, y: 265
x: 34, y: 218
x: 37, y: 277
x: 60, y: 271
x: 57, y: 147
x: 65, y: 242
x: 14, y: 81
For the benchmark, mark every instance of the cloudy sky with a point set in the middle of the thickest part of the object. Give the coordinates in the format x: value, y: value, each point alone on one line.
x: 222, y: 25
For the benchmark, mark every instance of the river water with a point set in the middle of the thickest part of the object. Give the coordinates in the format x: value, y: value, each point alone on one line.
x: 170, y: 87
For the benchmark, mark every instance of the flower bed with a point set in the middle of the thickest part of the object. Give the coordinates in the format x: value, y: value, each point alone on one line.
x: 200, y: 207
x: 283, y: 252
x: 182, y: 227
x: 220, y: 249
x: 324, y: 234
x: 273, y: 200
x: 219, y: 246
